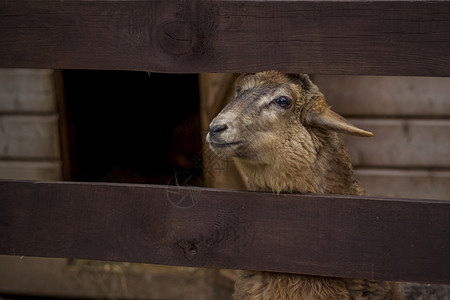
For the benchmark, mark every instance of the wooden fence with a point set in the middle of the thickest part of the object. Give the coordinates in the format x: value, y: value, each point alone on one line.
x: 337, y: 37
x: 373, y: 238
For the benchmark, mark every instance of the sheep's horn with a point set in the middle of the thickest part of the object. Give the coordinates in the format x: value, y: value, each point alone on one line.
x: 328, y: 119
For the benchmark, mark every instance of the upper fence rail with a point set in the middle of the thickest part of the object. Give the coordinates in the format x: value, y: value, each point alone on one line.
x: 321, y: 37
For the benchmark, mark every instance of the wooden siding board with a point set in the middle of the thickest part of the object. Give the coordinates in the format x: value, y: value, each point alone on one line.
x: 27, y: 91
x: 322, y: 37
x: 407, y: 143
x: 345, y: 236
x: 29, y: 137
x: 31, y: 170
x: 376, y: 96
x: 425, y: 184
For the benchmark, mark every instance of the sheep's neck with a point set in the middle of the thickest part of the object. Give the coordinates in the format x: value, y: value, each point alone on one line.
x: 326, y: 169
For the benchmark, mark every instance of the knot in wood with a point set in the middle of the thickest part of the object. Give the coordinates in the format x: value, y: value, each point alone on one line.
x: 189, y: 249
x: 175, y: 37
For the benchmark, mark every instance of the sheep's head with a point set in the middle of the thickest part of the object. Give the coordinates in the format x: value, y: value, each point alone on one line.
x: 270, y: 108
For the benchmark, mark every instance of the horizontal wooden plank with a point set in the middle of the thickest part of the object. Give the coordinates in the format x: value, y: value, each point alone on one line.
x: 27, y: 91
x: 26, y: 72
x: 29, y: 137
x: 31, y: 170
x: 328, y: 37
x: 332, y: 235
x: 58, y: 278
x: 430, y: 184
x: 401, y: 143
x: 387, y: 95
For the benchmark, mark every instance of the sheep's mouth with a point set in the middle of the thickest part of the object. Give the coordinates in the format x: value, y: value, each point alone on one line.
x: 225, y: 145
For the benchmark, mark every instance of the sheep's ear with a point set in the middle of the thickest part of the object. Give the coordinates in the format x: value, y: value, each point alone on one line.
x: 330, y: 120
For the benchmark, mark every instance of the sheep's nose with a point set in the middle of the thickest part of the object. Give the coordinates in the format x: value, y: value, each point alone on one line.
x: 218, y: 128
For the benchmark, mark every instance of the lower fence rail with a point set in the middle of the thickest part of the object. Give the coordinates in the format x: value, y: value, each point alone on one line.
x: 330, y: 235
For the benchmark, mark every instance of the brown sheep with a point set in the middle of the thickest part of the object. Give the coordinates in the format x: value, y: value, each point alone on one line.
x: 285, y: 139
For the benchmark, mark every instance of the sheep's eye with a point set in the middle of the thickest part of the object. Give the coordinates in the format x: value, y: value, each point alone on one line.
x: 284, y: 102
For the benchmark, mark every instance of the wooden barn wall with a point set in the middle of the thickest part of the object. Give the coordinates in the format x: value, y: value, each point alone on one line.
x: 409, y: 155
x: 31, y: 149
x: 410, y: 117
x: 29, y: 134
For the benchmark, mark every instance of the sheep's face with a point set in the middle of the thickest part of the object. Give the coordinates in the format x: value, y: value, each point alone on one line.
x: 270, y: 109
x: 265, y: 106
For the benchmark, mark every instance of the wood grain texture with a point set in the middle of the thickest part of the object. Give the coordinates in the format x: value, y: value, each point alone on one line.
x: 409, y: 183
x: 375, y: 96
x: 27, y: 91
x: 30, y: 170
x: 406, y: 143
x: 322, y: 37
x: 29, y: 137
x: 324, y: 235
